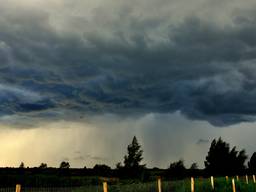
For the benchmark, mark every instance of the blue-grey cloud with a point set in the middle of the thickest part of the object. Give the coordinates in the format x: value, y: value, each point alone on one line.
x: 202, y: 141
x: 127, y: 62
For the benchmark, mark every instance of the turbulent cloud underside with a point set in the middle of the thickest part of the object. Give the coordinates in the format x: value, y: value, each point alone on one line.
x: 62, y: 59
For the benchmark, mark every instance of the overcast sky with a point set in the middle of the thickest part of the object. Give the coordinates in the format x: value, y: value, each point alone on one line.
x: 80, y: 78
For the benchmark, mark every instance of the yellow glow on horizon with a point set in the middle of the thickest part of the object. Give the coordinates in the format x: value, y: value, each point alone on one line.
x: 49, y: 144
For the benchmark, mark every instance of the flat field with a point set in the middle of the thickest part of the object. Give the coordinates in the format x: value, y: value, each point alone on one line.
x: 201, y: 185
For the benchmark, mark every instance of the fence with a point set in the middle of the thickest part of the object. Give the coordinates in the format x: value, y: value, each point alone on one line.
x: 232, y: 184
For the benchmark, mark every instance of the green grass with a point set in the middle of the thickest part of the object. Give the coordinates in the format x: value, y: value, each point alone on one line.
x: 201, y: 185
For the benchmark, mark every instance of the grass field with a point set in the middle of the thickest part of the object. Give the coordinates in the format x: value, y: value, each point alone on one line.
x: 201, y: 185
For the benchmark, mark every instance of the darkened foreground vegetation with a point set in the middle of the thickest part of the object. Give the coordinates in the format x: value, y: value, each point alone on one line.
x: 201, y: 184
x: 220, y: 161
x: 53, y: 177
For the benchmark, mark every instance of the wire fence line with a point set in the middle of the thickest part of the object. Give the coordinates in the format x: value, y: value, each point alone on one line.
x: 7, y: 189
x: 52, y: 189
x: 59, y: 189
x: 132, y: 187
x: 219, y: 184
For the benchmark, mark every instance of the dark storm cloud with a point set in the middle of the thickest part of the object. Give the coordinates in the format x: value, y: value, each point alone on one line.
x: 127, y: 64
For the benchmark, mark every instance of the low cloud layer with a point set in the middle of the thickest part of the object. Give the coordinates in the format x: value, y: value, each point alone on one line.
x: 81, y: 58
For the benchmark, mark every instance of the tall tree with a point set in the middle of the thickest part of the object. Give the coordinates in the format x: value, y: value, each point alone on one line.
x: 132, y: 162
x: 134, y: 157
x: 221, y: 160
x: 252, y: 163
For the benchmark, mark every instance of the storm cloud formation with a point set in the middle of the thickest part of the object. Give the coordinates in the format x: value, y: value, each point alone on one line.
x: 61, y: 59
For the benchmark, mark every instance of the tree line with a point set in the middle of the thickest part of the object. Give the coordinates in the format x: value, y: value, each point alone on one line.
x: 221, y: 159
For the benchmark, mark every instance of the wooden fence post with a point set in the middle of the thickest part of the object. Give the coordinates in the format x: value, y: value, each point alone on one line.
x: 192, y: 184
x: 212, y: 182
x: 233, y: 185
x: 253, y: 177
x: 18, y: 188
x: 105, y: 186
x: 226, y: 178
x: 246, y: 179
x: 159, y: 184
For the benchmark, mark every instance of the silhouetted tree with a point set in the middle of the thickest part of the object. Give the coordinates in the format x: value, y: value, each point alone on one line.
x: 22, y: 165
x: 119, y: 165
x: 64, y: 165
x: 194, y: 166
x: 252, y: 163
x: 221, y: 160
x: 176, y: 169
x: 102, y: 170
x: 43, y: 166
x: 193, y: 170
x: 134, y: 157
x: 132, y: 161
